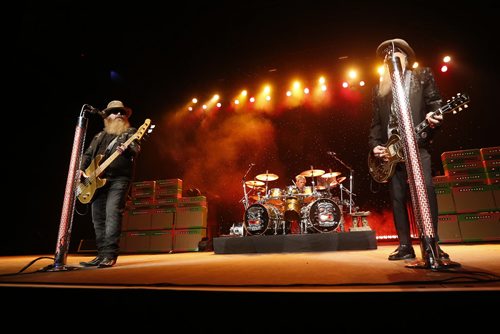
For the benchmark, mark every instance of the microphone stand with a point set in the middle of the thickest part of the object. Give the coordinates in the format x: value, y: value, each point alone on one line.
x: 351, y: 172
x: 68, y: 209
x: 245, y: 198
x: 416, y: 178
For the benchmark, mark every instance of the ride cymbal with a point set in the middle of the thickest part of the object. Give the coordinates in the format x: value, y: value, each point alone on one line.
x: 312, y: 172
x: 330, y: 174
x: 267, y: 177
x: 341, y: 179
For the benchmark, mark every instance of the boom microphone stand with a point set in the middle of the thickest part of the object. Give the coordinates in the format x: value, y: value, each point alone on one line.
x: 351, y: 172
x: 418, y: 190
x: 243, y: 181
x: 68, y: 208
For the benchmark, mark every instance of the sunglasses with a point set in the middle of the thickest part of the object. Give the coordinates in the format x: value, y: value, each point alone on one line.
x: 116, y: 112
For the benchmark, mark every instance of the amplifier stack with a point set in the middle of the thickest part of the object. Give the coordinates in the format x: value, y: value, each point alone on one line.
x: 469, y: 195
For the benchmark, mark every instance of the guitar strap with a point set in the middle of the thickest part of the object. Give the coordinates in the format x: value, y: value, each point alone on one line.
x: 108, y: 149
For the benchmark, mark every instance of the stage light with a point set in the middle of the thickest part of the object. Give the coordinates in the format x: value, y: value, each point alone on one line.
x: 345, y: 84
x: 444, y: 68
x: 194, y: 100
x: 288, y: 93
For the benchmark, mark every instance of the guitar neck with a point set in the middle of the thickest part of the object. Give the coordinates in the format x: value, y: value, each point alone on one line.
x: 424, y: 124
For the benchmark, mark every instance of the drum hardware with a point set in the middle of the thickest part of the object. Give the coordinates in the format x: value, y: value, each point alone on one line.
x: 243, y: 181
x: 237, y: 229
x: 351, y: 172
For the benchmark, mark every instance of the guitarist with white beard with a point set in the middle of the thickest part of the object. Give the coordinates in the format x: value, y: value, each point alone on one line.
x: 424, y: 98
x: 108, y: 202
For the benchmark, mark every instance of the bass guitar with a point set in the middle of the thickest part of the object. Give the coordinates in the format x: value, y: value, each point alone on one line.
x: 381, y: 169
x: 86, y: 188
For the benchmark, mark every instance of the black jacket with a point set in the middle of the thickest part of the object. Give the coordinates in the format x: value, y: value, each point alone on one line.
x: 424, y: 97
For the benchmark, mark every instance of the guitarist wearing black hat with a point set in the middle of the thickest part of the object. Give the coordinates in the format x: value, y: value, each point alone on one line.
x: 424, y: 99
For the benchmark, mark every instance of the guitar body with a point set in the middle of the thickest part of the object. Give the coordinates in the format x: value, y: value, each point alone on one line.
x: 88, y: 187
x: 381, y: 170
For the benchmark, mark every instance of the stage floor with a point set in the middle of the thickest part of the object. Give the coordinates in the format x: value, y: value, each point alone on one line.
x: 320, y: 284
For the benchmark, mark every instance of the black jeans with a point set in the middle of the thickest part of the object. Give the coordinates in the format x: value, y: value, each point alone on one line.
x: 108, y: 207
x: 399, y: 191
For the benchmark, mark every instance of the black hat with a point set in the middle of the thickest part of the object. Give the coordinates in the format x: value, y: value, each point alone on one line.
x: 398, y: 44
x: 113, y: 105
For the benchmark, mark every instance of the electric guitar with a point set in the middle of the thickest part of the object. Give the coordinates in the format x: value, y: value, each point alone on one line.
x: 382, y: 170
x: 86, y: 188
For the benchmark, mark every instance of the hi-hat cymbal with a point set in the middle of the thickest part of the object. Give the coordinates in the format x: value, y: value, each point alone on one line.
x: 331, y: 174
x: 267, y: 177
x: 254, y: 183
x: 312, y: 172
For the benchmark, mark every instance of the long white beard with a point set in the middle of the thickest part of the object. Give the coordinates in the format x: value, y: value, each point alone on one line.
x: 116, y: 126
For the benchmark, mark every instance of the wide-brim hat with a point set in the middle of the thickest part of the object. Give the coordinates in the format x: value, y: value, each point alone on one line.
x: 399, y: 45
x: 114, y: 105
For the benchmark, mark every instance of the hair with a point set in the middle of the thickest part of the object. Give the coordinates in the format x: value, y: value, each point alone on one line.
x: 300, y: 177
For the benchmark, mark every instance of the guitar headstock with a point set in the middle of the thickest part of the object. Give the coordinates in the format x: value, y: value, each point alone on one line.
x: 144, y: 130
x: 457, y: 103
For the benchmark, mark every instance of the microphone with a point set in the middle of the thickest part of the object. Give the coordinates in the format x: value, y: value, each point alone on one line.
x: 92, y: 110
x: 331, y: 153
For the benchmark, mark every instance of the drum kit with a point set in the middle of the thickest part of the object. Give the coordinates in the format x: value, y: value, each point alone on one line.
x: 314, y: 208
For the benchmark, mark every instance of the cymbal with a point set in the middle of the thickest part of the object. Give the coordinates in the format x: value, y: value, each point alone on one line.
x: 341, y: 179
x: 331, y: 174
x: 254, y: 183
x: 267, y: 177
x: 312, y: 172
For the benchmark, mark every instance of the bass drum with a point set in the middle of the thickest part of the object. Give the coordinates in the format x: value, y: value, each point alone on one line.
x: 262, y: 219
x: 322, y: 215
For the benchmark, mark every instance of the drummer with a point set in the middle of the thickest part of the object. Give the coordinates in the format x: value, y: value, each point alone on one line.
x: 300, y: 182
